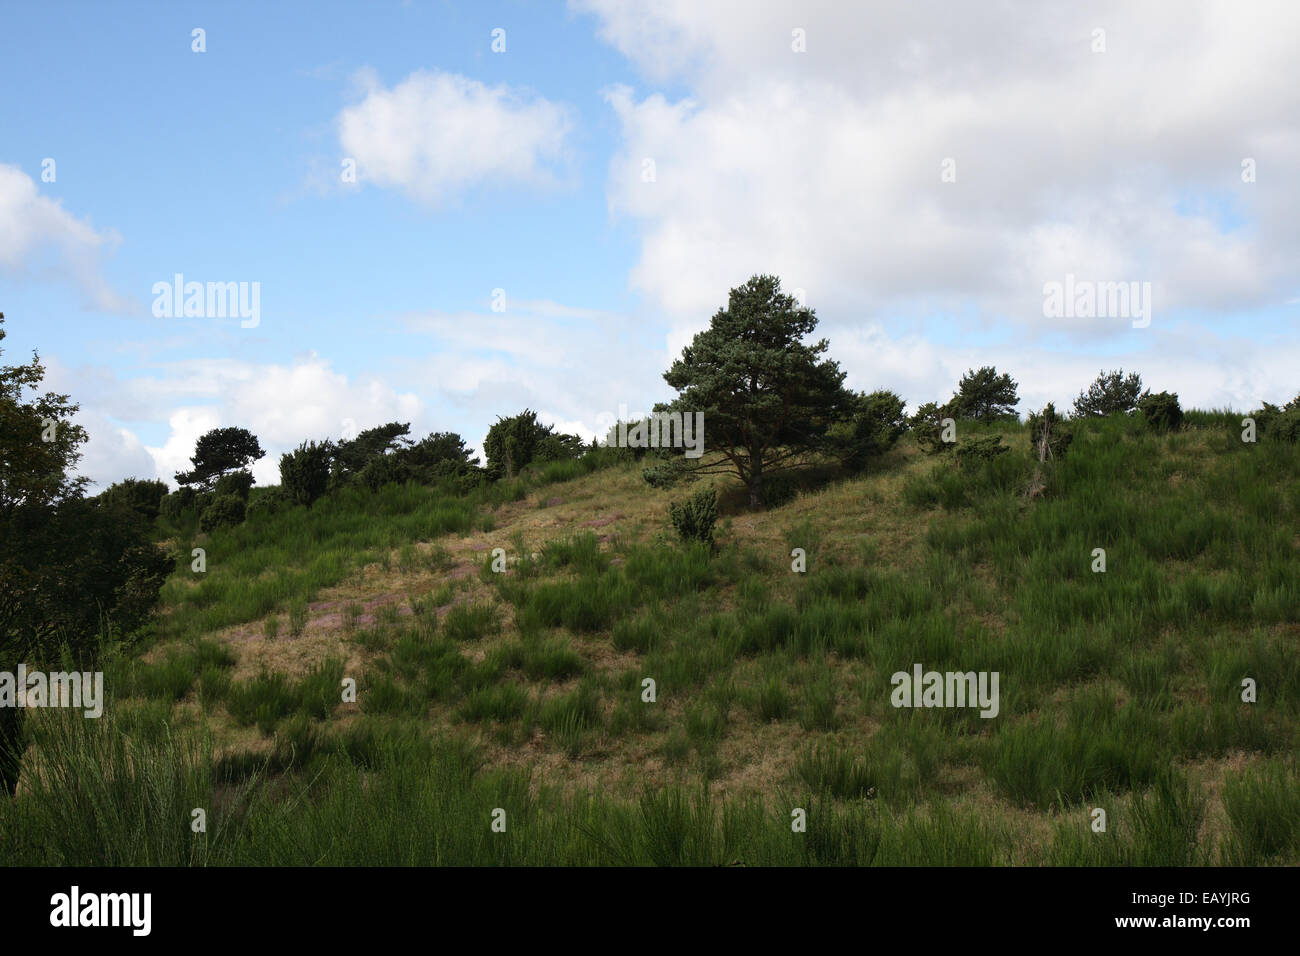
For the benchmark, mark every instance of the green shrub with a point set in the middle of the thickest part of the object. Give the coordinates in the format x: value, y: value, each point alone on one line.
x: 237, y: 483
x: 385, y: 470
x: 144, y: 496
x: 271, y: 501
x: 694, y: 518
x: 982, y: 449
x: 1049, y: 436
x: 305, y: 472
x: 225, y: 510
x: 174, y: 505
x: 875, y: 422
x: 1113, y: 393
x: 1161, y: 411
x: 927, y: 426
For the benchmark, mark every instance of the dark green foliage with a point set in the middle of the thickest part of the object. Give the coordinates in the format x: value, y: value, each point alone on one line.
x: 982, y: 449
x: 181, y: 500
x: 1049, y: 436
x: 986, y: 396
x: 694, y: 518
x: 220, y: 451
x: 1282, y: 424
x: 351, y: 456
x: 225, y: 510
x: 441, y: 456
x: 69, y: 567
x: 514, y: 443
x: 269, y: 502
x: 1113, y: 393
x: 384, y: 470
x: 928, y: 426
x: 874, y: 424
x: 305, y: 472
x: 1161, y: 411
x: 768, y: 398
x: 144, y: 496
x: 237, y: 483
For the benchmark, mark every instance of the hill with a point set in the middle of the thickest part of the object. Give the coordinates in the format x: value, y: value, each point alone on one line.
x: 502, y: 715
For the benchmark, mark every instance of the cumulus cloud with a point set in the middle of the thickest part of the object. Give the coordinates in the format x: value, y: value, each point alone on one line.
x: 826, y: 166
x: 435, y: 134
x: 40, y: 239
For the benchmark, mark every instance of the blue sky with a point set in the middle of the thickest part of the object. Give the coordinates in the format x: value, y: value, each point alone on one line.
x: 521, y: 171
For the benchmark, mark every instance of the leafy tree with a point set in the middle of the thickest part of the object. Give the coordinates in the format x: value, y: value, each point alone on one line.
x: 1113, y: 393
x: 69, y: 566
x: 305, y: 472
x: 1161, y: 410
x: 768, y: 398
x: 985, y: 395
x: 220, y: 451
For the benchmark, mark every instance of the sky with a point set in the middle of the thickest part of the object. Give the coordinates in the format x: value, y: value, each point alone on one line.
x: 447, y: 212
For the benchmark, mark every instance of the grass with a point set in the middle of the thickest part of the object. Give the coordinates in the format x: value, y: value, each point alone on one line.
x: 1121, y: 690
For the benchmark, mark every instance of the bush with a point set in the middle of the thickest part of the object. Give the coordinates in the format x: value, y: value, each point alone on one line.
x: 1049, y: 436
x: 305, y: 472
x: 1282, y: 423
x: 875, y: 423
x: 1113, y: 393
x: 143, y: 496
x: 237, y: 483
x: 384, y: 470
x: 694, y: 518
x: 225, y: 510
x: 177, y: 503
x: 269, y: 502
x: 927, y: 425
x: 1161, y: 411
x: 513, y: 443
x: 982, y: 449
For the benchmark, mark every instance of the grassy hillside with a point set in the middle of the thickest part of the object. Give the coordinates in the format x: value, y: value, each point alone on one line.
x: 522, y: 690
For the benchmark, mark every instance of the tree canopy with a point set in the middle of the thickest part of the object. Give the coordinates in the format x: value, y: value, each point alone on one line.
x: 768, y: 398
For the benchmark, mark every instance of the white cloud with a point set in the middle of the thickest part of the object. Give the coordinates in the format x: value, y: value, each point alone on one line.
x: 824, y: 167
x: 435, y: 134
x: 41, y: 239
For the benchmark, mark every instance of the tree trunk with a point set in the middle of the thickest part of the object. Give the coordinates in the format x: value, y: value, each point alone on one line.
x: 755, y: 481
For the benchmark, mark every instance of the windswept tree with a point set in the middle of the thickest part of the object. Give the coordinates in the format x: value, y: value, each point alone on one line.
x: 768, y: 398
x: 353, y: 455
x: 1113, y: 393
x: 218, y: 453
